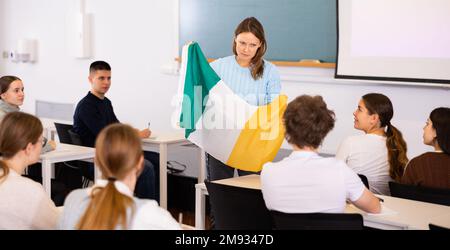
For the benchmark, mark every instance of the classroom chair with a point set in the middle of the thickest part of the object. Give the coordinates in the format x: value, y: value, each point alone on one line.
x: 237, y: 208
x: 364, y: 180
x: 67, y: 136
x: 316, y: 221
x: 434, y: 227
x: 418, y: 193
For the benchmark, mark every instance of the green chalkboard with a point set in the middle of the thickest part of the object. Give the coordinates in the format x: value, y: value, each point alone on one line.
x: 295, y: 29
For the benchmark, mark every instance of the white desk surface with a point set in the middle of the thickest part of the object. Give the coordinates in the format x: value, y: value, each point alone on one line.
x: 406, y: 214
x: 165, y: 137
x: 65, y: 151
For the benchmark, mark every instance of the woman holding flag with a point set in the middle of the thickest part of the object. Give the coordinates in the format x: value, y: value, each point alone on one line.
x: 249, y: 76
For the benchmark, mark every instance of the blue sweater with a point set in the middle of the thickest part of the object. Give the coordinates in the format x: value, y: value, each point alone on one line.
x: 91, y: 116
x: 239, y: 79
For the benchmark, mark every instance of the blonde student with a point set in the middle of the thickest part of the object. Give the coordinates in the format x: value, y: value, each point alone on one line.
x: 432, y: 169
x: 305, y: 182
x: 379, y: 154
x: 23, y: 202
x: 110, y: 204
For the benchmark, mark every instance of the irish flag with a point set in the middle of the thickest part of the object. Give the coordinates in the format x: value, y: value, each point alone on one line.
x: 240, y: 135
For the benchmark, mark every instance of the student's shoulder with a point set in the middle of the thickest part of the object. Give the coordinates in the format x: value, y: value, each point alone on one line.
x: 26, y: 186
x: 353, y: 139
x: 222, y: 61
x: 425, y: 158
x: 76, y: 196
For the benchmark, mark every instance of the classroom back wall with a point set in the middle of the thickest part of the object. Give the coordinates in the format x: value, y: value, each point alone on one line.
x: 139, y: 38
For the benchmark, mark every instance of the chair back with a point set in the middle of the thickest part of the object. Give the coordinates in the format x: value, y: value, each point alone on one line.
x: 418, y: 193
x: 76, y: 139
x: 364, y: 180
x: 317, y: 221
x: 63, y: 132
x: 434, y: 227
x: 238, y: 208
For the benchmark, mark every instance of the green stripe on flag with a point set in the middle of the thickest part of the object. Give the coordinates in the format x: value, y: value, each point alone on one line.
x: 199, y: 80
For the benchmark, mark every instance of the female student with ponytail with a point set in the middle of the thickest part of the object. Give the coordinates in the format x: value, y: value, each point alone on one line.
x: 432, y: 169
x: 23, y: 202
x: 110, y: 203
x: 379, y: 154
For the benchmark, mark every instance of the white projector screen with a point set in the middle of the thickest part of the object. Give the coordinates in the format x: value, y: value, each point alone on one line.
x: 394, y: 40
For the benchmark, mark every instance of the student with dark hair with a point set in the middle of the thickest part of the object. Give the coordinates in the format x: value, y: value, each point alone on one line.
x: 379, y: 154
x: 432, y: 169
x: 23, y: 202
x: 110, y: 203
x: 250, y: 76
x: 305, y: 182
x: 95, y: 111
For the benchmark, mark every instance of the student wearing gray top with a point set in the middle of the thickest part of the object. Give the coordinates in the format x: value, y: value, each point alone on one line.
x: 110, y: 203
x: 11, y: 98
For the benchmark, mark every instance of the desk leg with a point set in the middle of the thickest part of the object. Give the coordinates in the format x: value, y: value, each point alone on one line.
x: 201, y: 173
x: 199, y: 209
x: 163, y: 175
x: 46, y: 176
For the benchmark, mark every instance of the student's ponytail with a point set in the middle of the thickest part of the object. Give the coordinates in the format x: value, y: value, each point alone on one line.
x: 396, y: 147
x: 380, y: 104
x: 118, y: 151
x: 107, y: 209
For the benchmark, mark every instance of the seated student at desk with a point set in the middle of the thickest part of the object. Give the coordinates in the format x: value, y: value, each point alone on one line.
x: 23, y: 202
x: 110, y: 203
x: 379, y: 154
x: 95, y: 111
x: 12, y: 96
x: 432, y: 169
x: 305, y: 182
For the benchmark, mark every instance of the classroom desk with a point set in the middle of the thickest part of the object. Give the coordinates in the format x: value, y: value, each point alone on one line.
x: 406, y: 214
x: 63, y: 152
x: 161, y: 141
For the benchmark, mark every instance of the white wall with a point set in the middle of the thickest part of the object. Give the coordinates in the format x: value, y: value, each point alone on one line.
x: 412, y: 104
x: 134, y: 36
x: 138, y: 37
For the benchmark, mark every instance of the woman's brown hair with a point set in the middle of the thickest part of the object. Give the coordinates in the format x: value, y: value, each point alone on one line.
x: 381, y: 105
x: 17, y: 130
x: 117, y: 152
x: 440, y: 117
x: 307, y: 121
x: 5, y: 82
x: 253, y: 26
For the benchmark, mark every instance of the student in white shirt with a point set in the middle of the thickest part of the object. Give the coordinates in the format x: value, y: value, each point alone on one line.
x: 23, y: 202
x: 110, y: 203
x: 305, y: 182
x: 379, y: 154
